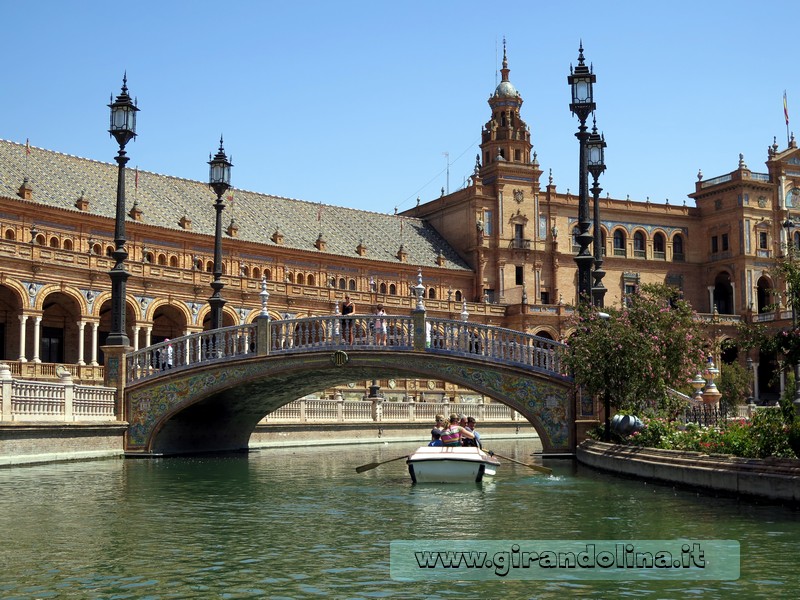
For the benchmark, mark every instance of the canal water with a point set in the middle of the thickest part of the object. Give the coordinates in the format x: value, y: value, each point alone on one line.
x: 301, y: 523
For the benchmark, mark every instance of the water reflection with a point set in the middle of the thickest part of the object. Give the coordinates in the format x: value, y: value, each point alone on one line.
x: 296, y: 523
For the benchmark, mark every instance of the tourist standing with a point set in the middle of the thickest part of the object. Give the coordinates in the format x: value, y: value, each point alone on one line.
x: 348, y: 308
x: 380, y: 325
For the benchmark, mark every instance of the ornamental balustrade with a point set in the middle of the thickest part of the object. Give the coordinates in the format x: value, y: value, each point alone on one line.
x: 348, y: 332
x: 314, y: 410
x: 22, y: 400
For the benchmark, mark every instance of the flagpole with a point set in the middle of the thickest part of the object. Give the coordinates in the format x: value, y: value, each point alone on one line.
x: 786, y: 117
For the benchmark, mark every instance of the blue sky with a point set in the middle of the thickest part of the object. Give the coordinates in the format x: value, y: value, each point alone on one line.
x: 355, y: 103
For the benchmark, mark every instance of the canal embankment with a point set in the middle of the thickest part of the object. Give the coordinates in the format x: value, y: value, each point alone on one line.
x: 35, y: 443
x: 774, y: 479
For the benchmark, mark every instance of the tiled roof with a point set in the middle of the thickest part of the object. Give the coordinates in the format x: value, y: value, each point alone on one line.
x: 58, y: 180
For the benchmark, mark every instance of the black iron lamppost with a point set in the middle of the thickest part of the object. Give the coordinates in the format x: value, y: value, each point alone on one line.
x: 595, y: 147
x: 219, y: 180
x: 582, y: 105
x: 123, y: 128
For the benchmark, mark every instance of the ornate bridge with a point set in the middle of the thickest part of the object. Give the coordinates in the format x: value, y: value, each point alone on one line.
x: 207, y: 391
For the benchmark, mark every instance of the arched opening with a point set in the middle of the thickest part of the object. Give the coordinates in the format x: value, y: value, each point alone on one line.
x: 54, y: 242
x: 209, y: 265
x: 168, y: 322
x: 659, y: 246
x: 543, y: 334
x: 10, y: 235
x: 432, y: 293
x: 104, y: 327
x: 310, y: 280
x: 392, y: 290
x: 256, y: 273
x: 301, y: 279
x: 458, y: 296
x: 769, y: 388
x: 764, y: 294
x: 382, y: 288
x: 619, y: 242
x: 58, y: 335
x: 639, y: 250
x: 10, y: 309
x: 342, y: 283
x: 67, y: 244
x: 677, y: 248
x: 723, y: 293
x: 173, y: 261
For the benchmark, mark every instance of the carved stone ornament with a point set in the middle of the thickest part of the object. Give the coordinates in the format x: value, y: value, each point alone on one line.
x: 762, y: 202
x: 519, y: 196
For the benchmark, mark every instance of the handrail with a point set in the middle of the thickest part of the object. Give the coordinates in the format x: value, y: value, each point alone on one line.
x: 351, y: 332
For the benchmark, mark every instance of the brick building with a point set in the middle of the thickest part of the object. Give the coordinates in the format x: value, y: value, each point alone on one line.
x: 502, y: 248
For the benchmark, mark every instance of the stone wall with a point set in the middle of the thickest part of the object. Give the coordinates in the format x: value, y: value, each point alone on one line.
x: 27, y: 443
x: 776, y: 479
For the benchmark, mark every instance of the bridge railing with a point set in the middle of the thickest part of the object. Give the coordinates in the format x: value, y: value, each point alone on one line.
x: 227, y: 343
x: 311, y: 333
x: 309, y: 410
x: 495, y: 343
x: 388, y: 332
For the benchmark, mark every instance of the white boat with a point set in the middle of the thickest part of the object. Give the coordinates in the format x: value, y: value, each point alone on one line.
x: 450, y: 464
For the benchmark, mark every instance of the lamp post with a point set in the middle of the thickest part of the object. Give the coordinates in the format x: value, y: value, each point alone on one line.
x: 581, y: 80
x: 219, y: 180
x: 595, y: 147
x: 123, y: 128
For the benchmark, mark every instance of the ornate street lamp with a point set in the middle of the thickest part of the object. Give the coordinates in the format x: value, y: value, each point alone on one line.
x: 219, y: 180
x: 123, y: 128
x: 582, y: 105
x: 595, y: 148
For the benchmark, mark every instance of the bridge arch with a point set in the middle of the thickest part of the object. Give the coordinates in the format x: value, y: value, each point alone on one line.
x: 218, y: 407
x: 223, y: 383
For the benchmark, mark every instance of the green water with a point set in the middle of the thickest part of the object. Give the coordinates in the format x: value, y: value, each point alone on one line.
x: 300, y: 523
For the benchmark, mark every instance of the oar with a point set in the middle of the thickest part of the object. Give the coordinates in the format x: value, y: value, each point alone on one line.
x: 544, y: 470
x: 370, y: 466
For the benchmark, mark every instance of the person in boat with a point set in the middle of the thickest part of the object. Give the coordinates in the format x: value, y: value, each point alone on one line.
x: 440, y: 423
x: 476, y: 441
x: 454, y: 433
x: 436, y: 437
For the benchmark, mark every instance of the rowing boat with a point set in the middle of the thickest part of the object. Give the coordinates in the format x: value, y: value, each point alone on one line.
x: 450, y: 464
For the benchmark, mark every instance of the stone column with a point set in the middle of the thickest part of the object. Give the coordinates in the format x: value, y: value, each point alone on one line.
x: 23, y: 321
x: 6, y: 383
x: 37, y: 332
x: 81, y: 326
x: 711, y: 298
x: 136, y: 329
x: 148, y: 332
x: 95, y: 328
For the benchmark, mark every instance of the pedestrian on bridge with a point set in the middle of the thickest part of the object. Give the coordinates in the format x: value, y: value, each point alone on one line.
x: 348, y: 308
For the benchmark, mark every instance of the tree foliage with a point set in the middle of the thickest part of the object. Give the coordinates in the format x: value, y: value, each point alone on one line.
x: 630, y: 356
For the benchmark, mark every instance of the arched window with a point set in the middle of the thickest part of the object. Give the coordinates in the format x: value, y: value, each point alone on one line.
x: 162, y: 260
x: 659, y: 246
x: 10, y: 234
x: 796, y: 240
x: 109, y: 250
x: 289, y: 277
x: 382, y: 288
x: 458, y: 295
x: 342, y: 283
x: 352, y: 285
x: 301, y: 279
x: 267, y: 274
x: 432, y: 294
x: 257, y: 273
x: 619, y: 243
x: 54, y: 242
x: 638, y: 244
x: 310, y: 280
x: 392, y: 290
x: 677, y: 249
x: 209, y: 264
x: 67, y: 244
x: 173, y: 261
x: 245, y: 272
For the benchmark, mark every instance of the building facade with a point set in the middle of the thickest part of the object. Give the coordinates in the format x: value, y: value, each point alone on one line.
x: 500, y: 250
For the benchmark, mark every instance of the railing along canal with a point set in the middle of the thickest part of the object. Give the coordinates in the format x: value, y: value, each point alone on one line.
x: 367, y: 332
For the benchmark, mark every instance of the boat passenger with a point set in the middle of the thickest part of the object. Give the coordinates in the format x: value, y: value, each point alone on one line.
x: 454, y: 433
x: 476, y: 442
x: 440, y: 422
x: 436, y: 438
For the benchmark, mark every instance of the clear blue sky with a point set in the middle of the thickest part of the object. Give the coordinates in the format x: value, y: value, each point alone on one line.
x: 355, y: 103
